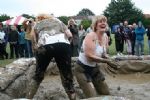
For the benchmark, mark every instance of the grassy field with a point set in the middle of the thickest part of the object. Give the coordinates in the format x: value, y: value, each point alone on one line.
x: 112, y: 51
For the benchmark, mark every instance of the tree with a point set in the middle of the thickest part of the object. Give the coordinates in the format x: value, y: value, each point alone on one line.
x: 86, y: 23
x: 85, y: 12
x: 146, y: 22
x: 28, y: 16
x: 64, y: 19
x: 4, y: 17
x: 120, y: 10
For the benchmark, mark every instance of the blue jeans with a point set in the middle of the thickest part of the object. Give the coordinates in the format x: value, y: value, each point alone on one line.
x: 29, y: 49
x: 149, y: 46
x: 139, y: 47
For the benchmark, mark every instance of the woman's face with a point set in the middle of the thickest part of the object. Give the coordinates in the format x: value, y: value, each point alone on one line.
x: 101, y: 26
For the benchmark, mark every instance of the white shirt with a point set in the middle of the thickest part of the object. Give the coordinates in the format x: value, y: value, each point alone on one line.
x: 2, y: 35
x: 99, y: 50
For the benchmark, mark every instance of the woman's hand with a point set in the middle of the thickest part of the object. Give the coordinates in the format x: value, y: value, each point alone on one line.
x: 114, y: 64
x: 106, y: 56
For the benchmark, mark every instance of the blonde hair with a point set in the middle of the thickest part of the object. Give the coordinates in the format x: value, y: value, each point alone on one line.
x: 44, y: 16
x: 96, y: 19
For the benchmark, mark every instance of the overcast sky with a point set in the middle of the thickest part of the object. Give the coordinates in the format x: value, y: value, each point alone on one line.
x: 60, y: 7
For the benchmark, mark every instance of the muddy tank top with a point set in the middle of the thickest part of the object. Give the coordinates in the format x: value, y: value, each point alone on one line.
x: 99, y: 50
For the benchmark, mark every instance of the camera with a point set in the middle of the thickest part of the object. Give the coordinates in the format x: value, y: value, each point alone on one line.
x: 71, y: 25
x: 30, y: 21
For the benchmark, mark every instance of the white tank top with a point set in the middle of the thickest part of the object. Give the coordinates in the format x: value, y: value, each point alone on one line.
x: 99, y: 50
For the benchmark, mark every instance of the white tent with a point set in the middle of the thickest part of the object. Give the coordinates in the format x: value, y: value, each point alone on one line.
x: 15, y: 21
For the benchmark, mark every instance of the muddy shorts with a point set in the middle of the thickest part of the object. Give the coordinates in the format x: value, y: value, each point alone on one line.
x: 91, y: 80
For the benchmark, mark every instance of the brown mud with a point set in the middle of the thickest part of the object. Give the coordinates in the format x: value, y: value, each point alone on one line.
x: 133, y: 86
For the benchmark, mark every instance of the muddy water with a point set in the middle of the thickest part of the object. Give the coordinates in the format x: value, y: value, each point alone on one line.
x: 133, y: 86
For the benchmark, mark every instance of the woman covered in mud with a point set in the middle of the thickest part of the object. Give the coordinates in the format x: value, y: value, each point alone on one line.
x: 52, y: 41
x: 93, y: 51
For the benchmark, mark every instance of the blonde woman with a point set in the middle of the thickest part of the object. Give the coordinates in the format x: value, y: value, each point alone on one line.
x: 52, y: 42
x: 93, y: 51
x: 28, y: 25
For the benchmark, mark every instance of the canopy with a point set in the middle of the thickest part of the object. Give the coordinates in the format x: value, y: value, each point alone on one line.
x: 15, y: 21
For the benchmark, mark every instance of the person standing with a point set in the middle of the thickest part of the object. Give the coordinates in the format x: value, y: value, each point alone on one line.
x: 81, y: 35
x: 13, y: 42
x: 119, y: 41
x: 139, y: 44
x: 89, y: 29
x: 28, y: 25
x: 2, y: 43
x: 127, y: 32
x: 22, y: 43
x: 75, y: 39
x: 133, y: 37
x: 148, y: 35
x: 52, y: 41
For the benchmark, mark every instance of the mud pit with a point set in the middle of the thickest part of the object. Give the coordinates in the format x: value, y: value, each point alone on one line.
x: 131, y: 80
x: 129, y: 86
x: 133, y: 86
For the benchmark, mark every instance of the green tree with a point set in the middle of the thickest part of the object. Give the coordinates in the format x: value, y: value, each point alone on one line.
x: 28, y: 16
x: 120, y: 10
x: 4, y: 17
x: 85, y: 12
x: 146, y: 22
x: 86, y: 23
x: 64, y: 19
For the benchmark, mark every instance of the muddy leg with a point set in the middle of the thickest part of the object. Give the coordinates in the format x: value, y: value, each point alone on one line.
x: 87, y: 87
x: 101, y: 87
x: 42, y: 61
x: 98, y: 80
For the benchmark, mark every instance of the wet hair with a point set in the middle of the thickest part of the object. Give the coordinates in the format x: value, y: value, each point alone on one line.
x: 96, y: 20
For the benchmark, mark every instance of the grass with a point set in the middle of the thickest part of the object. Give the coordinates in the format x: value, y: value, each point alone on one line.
x: 112, y: 50
x: 6, y: 61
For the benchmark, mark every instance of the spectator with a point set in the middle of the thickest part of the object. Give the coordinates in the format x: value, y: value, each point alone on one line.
x: 139, y: 44
x: 108, y: 32
x: 81, y: 35
x: 89, y: 29
x: 28, y: 25
x: 75, y: 39
x: 148, y: 35
x: 127, y: 33
x: 133, y: 37
x: 119, y: 41
x: 22, y: 43
x: 2, y: 43
x: 13, y: 42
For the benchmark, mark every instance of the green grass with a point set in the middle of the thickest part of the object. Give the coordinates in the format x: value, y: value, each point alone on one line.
x: 112, y: 50
x: 6, y: 61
